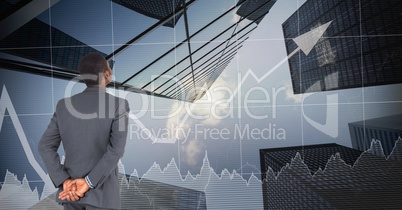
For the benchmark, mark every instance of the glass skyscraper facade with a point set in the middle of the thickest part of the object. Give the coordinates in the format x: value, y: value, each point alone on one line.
x: 315, y: 156
x: 171, y: 49
x: 369, y: 182
x: 387, y: 130
x: 362, y: 44
x: 40, y: 42
x: 43, y: 48
x: 149, y: 194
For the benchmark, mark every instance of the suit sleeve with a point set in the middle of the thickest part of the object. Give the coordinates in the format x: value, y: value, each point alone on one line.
x: 47, y: 148
x: 115, y: 149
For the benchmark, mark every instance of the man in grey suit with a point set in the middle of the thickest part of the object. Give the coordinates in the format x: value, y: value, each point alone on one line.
x: 92, y: 126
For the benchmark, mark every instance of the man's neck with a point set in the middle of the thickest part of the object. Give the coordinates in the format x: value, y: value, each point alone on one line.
x: 103, y: 87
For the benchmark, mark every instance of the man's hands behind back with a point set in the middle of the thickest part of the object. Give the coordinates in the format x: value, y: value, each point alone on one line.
x: 73, y: 190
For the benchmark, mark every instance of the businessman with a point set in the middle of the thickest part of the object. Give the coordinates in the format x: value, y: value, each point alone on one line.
x: 92, y: 126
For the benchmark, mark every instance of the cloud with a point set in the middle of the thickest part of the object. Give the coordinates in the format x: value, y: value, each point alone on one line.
x: 191, y: 152
x: 209, y: 110
x: 236, y: 18
x: 291, y: 96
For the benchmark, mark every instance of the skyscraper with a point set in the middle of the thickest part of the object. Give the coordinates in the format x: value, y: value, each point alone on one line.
x: 154, y: 9
x: 38, y: 41
x: 387, y: 130
x: 250, y: 9
x: 315, y: 156
x: 180, y: 61
x: 372, y: 182
x: 141, y: 193
x: 362, y: 44
x: 310, y: 159
x: 39, y: 48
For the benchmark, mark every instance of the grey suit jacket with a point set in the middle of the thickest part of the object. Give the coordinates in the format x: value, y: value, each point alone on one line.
x: 92, y: 126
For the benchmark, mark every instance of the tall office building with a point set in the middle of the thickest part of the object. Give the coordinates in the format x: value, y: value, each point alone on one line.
x: 140, y: 193
x: 154, y: 9
x: 315, y: 156
x: 180, y: 61
x: 362, y: 44
x: 387, y: 130
x: 372, y: 182
x: 250, y: 9
x: 38, y: 41
x: 37, y: 47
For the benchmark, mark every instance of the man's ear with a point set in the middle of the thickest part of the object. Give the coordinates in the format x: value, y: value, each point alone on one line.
x: 107, y: 76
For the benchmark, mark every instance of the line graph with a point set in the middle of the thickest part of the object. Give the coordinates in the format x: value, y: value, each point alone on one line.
x: 372, y: 182
x: 220, y: 188
x: 204, y: 181
x: 6, y: 104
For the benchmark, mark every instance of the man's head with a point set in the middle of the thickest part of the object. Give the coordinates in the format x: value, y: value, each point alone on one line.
x: 95, y: 70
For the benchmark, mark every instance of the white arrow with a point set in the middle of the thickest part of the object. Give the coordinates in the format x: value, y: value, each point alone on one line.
x: 305, y: 42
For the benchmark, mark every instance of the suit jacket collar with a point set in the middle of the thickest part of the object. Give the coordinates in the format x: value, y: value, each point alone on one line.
x: 94, y: 89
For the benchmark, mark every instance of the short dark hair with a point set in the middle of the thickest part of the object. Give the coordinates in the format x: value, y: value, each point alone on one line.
x: 90, y: 65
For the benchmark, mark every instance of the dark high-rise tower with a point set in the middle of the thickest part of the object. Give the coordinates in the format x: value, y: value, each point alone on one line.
x: 362, y: 45
x: 387, y: 130
x: 314, y: 156
x: 370, y: 182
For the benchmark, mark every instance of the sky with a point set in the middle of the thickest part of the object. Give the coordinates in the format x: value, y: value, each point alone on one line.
x: 263, y: 113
